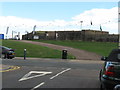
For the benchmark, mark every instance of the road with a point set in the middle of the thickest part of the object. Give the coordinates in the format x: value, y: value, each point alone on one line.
x: 34, y: 74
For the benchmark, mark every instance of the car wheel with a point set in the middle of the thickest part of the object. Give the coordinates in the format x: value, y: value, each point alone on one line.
x: 10, y: 57
x: 101, y: 87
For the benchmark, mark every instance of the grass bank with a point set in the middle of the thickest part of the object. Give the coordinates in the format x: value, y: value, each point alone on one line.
x: 101, y: 48
x: 33, y: 50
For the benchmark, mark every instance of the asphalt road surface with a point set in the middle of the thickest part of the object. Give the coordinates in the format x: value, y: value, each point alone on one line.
x: 34, y: 74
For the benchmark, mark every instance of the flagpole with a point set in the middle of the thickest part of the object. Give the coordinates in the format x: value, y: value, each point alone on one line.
x: 91, y: 25
x: 81, y: 24
x: 100, y: 27
x: 119, y: 41
x: 34, y: 29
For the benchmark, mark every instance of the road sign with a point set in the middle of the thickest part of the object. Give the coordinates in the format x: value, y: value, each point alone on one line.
x: 1, y: 36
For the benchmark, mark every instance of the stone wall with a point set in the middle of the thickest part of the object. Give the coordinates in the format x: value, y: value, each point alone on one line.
x: 84, y: 35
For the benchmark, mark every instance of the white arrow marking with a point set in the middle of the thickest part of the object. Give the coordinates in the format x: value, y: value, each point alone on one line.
x: 27, y: 76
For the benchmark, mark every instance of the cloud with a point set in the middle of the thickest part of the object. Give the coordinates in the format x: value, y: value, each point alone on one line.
x: 107, y: 18
x: 22, y: 25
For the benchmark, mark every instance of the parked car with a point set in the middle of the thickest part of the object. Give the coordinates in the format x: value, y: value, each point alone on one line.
x: 110, y: 73
x: 6, y: 52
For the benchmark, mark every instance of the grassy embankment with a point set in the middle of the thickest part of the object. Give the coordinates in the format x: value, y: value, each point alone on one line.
x: 33, y: 50
x: 101, y: 48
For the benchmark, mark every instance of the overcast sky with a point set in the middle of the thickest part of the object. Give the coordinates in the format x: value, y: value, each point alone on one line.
x: 47, y: 16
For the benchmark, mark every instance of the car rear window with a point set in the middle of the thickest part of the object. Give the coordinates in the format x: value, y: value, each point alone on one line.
x: 114, y: 55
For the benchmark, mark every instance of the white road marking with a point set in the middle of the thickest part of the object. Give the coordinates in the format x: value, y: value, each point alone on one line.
x: 42, y: 73
x: 38, y: 85
x: 60, y: 73
x: 27, y: 76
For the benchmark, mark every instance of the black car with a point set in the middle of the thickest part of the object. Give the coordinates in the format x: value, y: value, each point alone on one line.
x: 6, y: 52
x: 110, y: 73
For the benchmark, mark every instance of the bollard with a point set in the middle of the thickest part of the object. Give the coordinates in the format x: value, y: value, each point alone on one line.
x: 24, y: 54
x: 64, y: 54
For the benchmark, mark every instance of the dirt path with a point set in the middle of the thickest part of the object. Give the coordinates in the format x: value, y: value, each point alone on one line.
x: 79, y: 54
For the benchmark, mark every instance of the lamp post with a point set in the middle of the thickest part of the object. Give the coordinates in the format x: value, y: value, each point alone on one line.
x: 119, y: 29
x: 7, y: 32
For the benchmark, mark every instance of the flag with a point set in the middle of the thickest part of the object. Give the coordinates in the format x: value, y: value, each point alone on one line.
x: 7, y: 30
x: 91, y: 22
x: 100, y: 28
x: 34, y: 29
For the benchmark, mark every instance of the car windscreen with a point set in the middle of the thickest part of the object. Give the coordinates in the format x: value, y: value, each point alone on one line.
x: 114, y: 55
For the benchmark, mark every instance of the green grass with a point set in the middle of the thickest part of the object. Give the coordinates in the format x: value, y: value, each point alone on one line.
x: 101, y: 48
x: 33, y: 50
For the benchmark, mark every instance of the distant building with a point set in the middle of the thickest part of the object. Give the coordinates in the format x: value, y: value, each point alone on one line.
x: 84, y: 35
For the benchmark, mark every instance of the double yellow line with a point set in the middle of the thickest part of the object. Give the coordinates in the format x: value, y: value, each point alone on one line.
x: 11, y: 68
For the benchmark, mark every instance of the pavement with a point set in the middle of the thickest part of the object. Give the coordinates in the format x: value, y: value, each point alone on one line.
x: 32, y: 58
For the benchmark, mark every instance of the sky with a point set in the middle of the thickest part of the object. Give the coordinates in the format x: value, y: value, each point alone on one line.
x: 58, y: 16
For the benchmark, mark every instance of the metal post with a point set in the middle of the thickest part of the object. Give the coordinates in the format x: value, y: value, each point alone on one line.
x: 119, y: 26
x: 119, y: 42
x: 25, y: 54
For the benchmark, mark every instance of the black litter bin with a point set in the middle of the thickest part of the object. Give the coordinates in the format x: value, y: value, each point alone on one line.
x: 64, y: 54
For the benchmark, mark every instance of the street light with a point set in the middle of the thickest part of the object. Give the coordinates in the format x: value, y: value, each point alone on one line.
x: 119, y: 26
